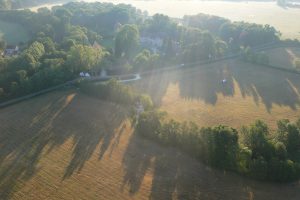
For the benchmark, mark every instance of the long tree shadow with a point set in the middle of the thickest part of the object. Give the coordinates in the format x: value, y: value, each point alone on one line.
x: 271, y: 85
x: 156, y: 85
x: 265, y: 85
x: 136, y: 162
x: 22, y: 142
x: 205, y: 84
x: 44, y: 126
x: 94, y: 128
x: 175, y: 175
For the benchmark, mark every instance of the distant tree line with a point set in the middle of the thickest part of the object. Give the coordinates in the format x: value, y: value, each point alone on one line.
x: 62, y: 41
x: 16, y: 4
x: 252, y: 152
x: 235, y: 34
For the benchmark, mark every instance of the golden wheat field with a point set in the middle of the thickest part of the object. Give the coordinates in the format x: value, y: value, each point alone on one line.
x: 65, y: 145
x: 251, y: 92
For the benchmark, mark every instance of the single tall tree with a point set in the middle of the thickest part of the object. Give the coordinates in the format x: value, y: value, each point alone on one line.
x: 127, y: 41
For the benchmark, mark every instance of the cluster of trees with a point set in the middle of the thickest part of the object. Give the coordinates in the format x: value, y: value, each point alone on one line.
x: 62, y: 39
x: 248, y: 34
x: 249, y: 55
x: 59, y: 48
x: 16, y: 4
x: 127, y: 41
x: 253, y: 152
x: 201, y: 45
x: 182, y: 42
x: 146, y: 60
x: 202, y: 37
x: 113, y: 91
x: 43, y: 65
x: 235, y: 34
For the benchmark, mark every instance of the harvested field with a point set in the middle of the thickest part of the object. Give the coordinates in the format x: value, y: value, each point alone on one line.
x: 65, y: 145
x: 251, y: 92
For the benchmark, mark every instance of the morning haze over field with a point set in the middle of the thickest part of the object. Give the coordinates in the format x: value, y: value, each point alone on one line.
x: 162, y: 99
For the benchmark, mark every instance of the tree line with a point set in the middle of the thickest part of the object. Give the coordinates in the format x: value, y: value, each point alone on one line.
x: 62, y: 41
x: 253, y: 151
x: 16, y: 4
x: 113, y: 91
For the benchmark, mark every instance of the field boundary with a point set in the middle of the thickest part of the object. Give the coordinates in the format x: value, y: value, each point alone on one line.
x: 32, y: 95
x: 277, y: 67
x: 169, y: 68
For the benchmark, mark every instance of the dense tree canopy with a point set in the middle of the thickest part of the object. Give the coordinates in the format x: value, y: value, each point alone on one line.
x: 83, y: 58
x: 62, y: 39
x: 256, y: 155
x: 15, y: 4
x: 127, y: 41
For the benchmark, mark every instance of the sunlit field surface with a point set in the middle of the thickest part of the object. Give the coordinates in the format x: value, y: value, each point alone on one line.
x: 65, y: 145
x: 251, y: 92
x: 284, y: 57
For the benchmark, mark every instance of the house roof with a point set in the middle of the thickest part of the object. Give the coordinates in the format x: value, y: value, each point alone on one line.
x: 11, y: 46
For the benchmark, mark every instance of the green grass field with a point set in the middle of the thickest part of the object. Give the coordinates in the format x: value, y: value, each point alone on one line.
x: 251, y: 92
x: 13, y: 33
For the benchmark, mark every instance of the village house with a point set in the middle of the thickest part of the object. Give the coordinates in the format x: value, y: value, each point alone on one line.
x: 11, y: 50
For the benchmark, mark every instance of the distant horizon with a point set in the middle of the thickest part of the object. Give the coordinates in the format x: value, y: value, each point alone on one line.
x: 248, y: 11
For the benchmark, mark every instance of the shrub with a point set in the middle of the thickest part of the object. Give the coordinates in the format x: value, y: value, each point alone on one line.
x: 115, y: 92
x: 149, y: 124
x: 255, y: 57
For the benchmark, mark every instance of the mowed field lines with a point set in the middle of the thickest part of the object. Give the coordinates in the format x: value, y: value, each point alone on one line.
x: 251, y: 92
x: 65, y: 145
